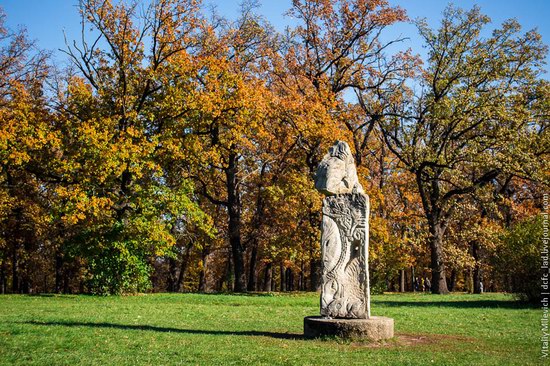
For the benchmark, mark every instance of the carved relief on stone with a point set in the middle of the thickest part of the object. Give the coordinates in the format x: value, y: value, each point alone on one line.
x: 344, y: 238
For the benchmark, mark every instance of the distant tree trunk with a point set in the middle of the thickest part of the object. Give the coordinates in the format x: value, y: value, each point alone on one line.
x: 3, y: 284
x: 58, y: 271
x: 314, y: 222
x: 14, y: 268
x: 402, y: 280
x: 282, y: 277
x: 13, y: 239
x: 67, y: 275
x: 172, y: 275
x: 229, y: 272
x: 202, y: 275
x: 234, y: 211
x: 25, y: 286
x: 413, y: 280
x: 289, y: 280
x: 314, y: 278
x: 202, y: 280
x: 45, y: 288
x: 257, y: 223
x: 430, y: 193
x: 252, y: 268
x: 477, y: 274
x: 268, y: 277
x: 439, y: 282
x: 452, y: 280
x: 301, y: 278
x: 183, y: 267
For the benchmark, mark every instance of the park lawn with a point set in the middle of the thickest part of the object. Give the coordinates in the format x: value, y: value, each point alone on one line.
x: 202, y: 329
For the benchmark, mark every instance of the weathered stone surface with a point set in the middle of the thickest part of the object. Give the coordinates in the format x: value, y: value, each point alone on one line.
x: 375, y: 328
x: 344, y: 236
x: 345, y: 292
x: 336, y: 173
x: 344, y: 251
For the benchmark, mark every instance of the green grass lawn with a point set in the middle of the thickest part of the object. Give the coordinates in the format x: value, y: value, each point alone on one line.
x: 189, y: 329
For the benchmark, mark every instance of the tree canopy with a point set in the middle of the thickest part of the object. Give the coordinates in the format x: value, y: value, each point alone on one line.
x: 178, y: 149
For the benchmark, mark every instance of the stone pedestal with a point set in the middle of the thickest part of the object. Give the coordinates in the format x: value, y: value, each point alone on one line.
x: 374, y: 329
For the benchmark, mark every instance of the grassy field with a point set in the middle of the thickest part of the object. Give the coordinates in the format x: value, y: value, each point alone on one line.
x: 189, y: 329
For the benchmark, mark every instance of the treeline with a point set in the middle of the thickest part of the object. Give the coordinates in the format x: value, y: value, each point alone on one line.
x: 177, y: 151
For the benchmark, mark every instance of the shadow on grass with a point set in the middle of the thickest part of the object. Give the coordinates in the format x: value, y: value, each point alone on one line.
x: 170, y: 330
x: 495, y: 304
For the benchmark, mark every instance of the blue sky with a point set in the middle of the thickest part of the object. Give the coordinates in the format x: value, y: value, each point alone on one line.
x: 45, y: 20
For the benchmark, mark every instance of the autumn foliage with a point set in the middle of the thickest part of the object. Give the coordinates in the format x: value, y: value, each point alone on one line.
x: 178, y: 150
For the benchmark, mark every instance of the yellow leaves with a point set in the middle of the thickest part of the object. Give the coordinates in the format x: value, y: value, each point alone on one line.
x: 24, y: 129
x: 17, y: 157
x: 78, y: 206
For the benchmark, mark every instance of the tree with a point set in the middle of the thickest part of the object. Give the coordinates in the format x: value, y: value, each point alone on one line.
x: 177, y: 151
x: 230, y: 112
x: 25, y: 136
x: 519, y: 254
x: 459, y: 131
x: 121, y: 119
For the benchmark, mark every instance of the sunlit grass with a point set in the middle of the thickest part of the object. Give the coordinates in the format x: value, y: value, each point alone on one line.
x: 184, y: 329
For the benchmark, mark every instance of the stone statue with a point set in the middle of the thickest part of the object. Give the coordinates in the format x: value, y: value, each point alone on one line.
x: 344, y: 236
x: 345, y: 293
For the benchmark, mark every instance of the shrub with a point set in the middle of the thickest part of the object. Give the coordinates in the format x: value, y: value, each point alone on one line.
x: 519, y: 256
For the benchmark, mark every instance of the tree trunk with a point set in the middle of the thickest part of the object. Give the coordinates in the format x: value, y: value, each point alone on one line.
x: 201, y: 287
x: 289, y: 280
x: 252, y: 268
x: 14, y: 239
x: 14, y: 268
x: 228, y: 272
x: 172, y: 276
x: 282, y: 277
x: 45, y: 287
x: 183, y: 267
x: 3, y: 284
x: 469, y: 281
x: 58, y: 271
x: 431, y: 198
x: 25, y: 285
x: 402, y: 280
x: 202, y: 275
x: 452, y: 280
x: 477, y: 274
x: 66, y: 280
x: 413, y: 280
x: 314, y: 277
x: 439, y: 282
x: 315, y: 269
x: 234, y: 211
x: 301, y: 286
x: 268, y: 276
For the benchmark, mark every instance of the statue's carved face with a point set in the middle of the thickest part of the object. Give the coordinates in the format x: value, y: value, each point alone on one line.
x: 330, y: 177
x: 336, y: 173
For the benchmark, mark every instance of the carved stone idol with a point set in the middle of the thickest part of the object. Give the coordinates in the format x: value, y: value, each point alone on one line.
x: 345, y: 293
x: 344, y: 237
